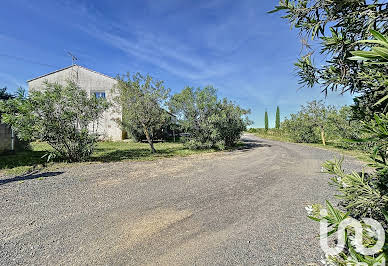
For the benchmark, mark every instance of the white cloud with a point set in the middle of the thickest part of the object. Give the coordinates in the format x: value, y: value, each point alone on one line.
x: 163, y: 52
x: 220, y: 42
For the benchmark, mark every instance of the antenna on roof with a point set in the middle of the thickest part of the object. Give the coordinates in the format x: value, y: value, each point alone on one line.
x: 74, y: 72
x: 73, y: 58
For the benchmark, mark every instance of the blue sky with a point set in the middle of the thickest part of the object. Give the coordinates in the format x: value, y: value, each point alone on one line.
x: 234, y: 45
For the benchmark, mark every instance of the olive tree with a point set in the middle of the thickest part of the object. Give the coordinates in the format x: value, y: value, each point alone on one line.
x: 63, y: 116
x: 142, y: 100
x: 310, y: 123
x: 210, y: 122
x: 229, y: 122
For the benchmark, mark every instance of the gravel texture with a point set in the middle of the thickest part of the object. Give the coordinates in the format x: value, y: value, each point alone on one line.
x: 240, y: 207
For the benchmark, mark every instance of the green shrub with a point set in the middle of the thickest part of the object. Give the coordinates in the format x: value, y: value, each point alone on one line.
x: 252, y: 130
x: 63, y: 116
x: 315, y: 120
x: 361, y: 194
x: 211, y: 123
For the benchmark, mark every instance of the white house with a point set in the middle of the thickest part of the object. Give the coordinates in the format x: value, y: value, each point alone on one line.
x: 94, y: 83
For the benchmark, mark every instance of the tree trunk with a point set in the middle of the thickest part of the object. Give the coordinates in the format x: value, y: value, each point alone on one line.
x: 150, y: 141
x: 323, y: 136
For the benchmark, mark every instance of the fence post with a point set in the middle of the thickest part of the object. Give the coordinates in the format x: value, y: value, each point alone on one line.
x: 12, y: 140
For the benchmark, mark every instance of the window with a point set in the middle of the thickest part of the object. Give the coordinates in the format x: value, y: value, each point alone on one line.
x: 99, y: 94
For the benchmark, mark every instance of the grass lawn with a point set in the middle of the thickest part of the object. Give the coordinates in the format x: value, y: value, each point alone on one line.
x: 274, y: 135
x: 22, y: 162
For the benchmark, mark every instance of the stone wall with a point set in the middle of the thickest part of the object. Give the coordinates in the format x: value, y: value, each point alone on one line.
x: 5, y: 138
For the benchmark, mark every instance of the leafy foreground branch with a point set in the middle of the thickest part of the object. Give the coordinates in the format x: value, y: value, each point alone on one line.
x: 363, y: 195
x: 355, y: 66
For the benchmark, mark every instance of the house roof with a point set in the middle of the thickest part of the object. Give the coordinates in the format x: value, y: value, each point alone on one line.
x: 67, y: 68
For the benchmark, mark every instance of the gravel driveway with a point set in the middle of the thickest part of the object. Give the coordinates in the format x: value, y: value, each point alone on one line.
x: 240, y: 207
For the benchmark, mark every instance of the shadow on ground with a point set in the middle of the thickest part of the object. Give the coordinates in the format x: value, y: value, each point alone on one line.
x: 28, y: 177
x: 110, y: 152
x: 115, y: 155
x: 249, y: 144
x: 22, y: 158
x: 118, y: 151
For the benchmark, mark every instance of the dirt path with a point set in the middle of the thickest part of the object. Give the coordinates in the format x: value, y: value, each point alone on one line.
x: 241, y: 207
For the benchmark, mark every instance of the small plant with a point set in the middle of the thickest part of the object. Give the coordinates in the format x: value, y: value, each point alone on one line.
x: 359, y: 193
x: 49, y: 156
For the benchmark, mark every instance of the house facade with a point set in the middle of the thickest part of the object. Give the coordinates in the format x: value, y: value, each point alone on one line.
x: 95, y: 84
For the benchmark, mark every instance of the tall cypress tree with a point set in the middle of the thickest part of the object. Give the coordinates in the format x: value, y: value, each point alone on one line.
x: 266, y: 121
x: 277, y: 122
